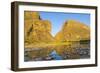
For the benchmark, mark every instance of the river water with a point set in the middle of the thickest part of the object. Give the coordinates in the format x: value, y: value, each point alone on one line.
x: 75, y: 51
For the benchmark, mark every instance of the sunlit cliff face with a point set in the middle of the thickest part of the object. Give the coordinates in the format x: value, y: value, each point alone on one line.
x: 38, y: 30
x: 73, y: 31
x: 37, y: 34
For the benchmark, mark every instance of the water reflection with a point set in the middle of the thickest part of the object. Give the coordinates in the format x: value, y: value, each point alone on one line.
x: 76, y: 50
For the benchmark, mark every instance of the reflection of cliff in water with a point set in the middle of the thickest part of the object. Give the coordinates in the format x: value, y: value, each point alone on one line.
x: 40, y: 45
x: 76, y: 50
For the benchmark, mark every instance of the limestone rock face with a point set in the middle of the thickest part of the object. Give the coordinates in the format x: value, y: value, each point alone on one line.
x: 73, y: 31
x: 37, y: 36
x: 36, y: 29
x: 30, y: 15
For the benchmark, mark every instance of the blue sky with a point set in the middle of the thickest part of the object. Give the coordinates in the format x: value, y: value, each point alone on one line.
x: 58, y: 18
